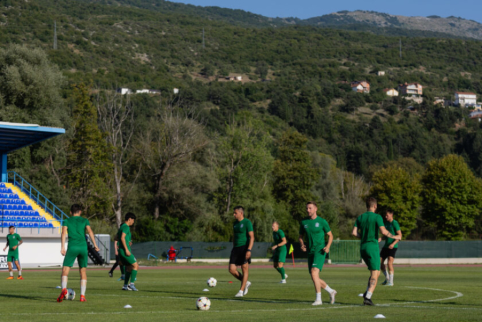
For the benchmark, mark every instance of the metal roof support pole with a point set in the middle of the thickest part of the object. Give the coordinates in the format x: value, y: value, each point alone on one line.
x: 3, y: 167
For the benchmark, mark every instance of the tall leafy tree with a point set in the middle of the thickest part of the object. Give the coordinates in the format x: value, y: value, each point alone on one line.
x: 451, y: 197
x: 394, y: 188
x: 89, y: 165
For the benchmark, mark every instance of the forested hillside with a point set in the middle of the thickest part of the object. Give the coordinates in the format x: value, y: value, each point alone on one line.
x: 291, y: 131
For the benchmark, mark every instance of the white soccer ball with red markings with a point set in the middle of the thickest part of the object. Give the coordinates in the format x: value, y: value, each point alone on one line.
x: 70, y: 294
x: 203, y: 303
x: 212, y: 282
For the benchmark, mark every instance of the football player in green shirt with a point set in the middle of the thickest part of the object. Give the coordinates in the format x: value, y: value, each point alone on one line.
x: 279, y: 251
x: 390, y: 248
x: 314, y: 229
x: 75, y: 227
x: 125, y: 253
x: 13, y: 241
x: 366, y: 228
x: 241, y: 253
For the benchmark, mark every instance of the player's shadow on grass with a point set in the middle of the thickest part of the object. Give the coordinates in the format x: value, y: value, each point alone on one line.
x: 25, y: 297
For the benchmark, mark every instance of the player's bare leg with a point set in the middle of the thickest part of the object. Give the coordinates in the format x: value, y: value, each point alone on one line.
x: 372, y: 284
x: 83, y: 283
x: 10, y: 271
x: 234, y: 271
x: 321, y: 284
x: 64, y: 278
x: 245, y: 284
x: 19, y: 270
x: 383, y: 268
x: 391, y: 270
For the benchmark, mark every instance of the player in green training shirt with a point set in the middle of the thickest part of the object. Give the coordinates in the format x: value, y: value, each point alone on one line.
x: 279, y: 251
x: 125, y: 253
x: 13, y: 241
x: 75, y: 227
x: 241, y: 253
x: 390, y: 248
x: 366, y: 228
x: 314, y: 229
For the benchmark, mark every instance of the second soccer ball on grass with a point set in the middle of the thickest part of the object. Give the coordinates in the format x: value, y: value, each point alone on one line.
x: 212, y: 282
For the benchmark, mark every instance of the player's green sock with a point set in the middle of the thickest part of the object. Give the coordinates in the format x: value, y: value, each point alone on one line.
x: 133, y: 276
x: 128, y: 276
x: 123, y: 269
x: 282, y: 272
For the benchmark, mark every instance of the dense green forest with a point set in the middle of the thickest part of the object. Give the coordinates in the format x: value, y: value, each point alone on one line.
x: 291, y: 131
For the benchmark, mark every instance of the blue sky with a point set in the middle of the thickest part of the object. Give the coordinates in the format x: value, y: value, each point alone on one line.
x: 468, y: 9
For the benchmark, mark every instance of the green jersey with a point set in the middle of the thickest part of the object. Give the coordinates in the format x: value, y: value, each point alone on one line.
x: 13, y: 240
x: 278, y: 237
x: 368, y: 225
x: 124, y: 228
x: 76, y: 230
x: 241, y: 230
x: 392, y: 228
x: 314, y: 231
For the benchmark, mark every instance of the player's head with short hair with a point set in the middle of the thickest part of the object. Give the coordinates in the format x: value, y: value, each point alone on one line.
x: 371, y: 203
x: 11, y: 229
x: 75, y: 209
x: 130, y: 216
x: 311, y: 208
x: 389, y: 215
x: 275, y: 226
x: 238, y: 212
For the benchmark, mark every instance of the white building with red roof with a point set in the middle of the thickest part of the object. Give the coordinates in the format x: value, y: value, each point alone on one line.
x: 464, y: 99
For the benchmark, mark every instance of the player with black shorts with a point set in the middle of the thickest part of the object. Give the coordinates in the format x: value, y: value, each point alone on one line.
x: 390, y: 248
x: 241, y: 252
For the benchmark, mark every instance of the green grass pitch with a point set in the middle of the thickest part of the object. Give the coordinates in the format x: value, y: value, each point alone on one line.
x: 420, y: 294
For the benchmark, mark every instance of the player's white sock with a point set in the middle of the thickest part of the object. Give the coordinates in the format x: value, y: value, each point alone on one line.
x: 328, y: 289
x: 318, y: 296
x: 11, y: 273
x: 369, y: 295
x: 391, y: 277
x: 64, y: 281
x: 19, y: 272
x: 83, y: 286
x: 387, y: 276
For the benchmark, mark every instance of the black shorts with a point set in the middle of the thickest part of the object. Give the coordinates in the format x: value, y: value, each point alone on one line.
x: 238, y: 256
x: 387, y: 252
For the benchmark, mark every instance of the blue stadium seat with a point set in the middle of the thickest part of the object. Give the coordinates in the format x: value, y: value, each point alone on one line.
x: 20, y: 225
x: 51, y: 226
x: 35, y: 224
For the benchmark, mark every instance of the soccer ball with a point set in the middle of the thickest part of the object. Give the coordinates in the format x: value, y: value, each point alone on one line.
x: 70, y: 294
x: 212, y: 282
x: 203, y: 303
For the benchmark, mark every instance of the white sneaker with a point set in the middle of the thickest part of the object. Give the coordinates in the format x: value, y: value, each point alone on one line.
x: 332, y: 297
x: 317, y: 303
x: 248, y: 284
x: 283, y: 282
x: 239, y: 294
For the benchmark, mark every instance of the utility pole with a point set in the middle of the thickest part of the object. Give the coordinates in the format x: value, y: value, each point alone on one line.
x: 204, y: 45
x: 400, y: 48
x: 55, y: 35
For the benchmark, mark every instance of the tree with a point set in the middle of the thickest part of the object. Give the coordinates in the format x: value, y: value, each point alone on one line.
x: 294, y: 175
x: 451, y: 197
x: 116, y: 119
x: 171, y: 138
x: 394, y: 188
x: 88, y: 163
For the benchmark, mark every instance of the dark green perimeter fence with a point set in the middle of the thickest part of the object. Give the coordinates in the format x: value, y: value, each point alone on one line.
x: 341, y: 252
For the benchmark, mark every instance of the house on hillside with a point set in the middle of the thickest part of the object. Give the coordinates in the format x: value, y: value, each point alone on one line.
x: 124, y: 91
x: 464, y: 99
x: 391, y: 92
x: 412, y: 89
x: 142, y: 91
x: 381, y: 73
x: 155, y: 91
x: 361, y: 87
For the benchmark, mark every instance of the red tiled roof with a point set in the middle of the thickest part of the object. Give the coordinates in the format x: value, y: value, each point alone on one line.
x: 467, y: 93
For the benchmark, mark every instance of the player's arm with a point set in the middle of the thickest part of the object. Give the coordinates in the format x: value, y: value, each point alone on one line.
x: 124, y: 244
x: 399, y: 233
x: 62, y: 240
x: 19, y: 243
x: 92, y: 237
x: 6, y: 245
x: 251, y: 243
x: 386, y: 233
x: 302, y: 243
x: 355, y: 232
x: 330, y: 240
x: 283, y: 242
